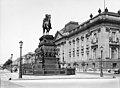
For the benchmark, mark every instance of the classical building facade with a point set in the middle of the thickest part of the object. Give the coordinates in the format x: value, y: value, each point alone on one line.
x: 78, y: 44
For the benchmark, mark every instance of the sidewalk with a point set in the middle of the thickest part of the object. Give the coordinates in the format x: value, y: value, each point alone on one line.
x: 94, y: 72
x: 78, y: 75
x: 5, y: 75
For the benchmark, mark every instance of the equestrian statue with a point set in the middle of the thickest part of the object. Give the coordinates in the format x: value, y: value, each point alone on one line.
x: 46, y: 24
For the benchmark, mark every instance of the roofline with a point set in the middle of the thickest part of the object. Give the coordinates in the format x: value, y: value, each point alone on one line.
x: 101, y: 18
x: 61, y: 38
x: 71, y: 22
x: 104, y: 17
x: 101, y: 14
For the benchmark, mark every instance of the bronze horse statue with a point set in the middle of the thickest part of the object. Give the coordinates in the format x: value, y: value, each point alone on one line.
x: 47, y: 23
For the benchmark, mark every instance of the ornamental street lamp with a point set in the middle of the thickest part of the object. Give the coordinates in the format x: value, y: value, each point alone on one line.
x: 101, y: 70
x: 11, y: 62
x: 20, y: 67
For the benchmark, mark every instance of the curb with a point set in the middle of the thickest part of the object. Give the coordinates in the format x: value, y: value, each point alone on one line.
x: 66, y: 78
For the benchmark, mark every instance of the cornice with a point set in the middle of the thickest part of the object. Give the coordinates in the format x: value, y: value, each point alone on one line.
x: 105, y: 17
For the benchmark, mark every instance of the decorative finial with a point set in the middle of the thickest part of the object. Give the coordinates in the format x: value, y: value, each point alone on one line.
x: 106, y: 10
x: 99, y: 11
x: 119, y: 12
x: 91, y: 16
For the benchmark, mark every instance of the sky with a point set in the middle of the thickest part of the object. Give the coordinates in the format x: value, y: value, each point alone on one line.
x: 22, y: 20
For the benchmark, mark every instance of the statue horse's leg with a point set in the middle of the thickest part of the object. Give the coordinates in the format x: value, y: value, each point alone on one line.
x: 47, y: 31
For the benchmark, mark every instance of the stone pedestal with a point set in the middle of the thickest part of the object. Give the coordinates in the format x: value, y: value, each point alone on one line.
x: 46, y: 55
x: 46, y: 62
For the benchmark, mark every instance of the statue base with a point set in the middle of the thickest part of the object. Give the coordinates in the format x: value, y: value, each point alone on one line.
x: 46, y: 62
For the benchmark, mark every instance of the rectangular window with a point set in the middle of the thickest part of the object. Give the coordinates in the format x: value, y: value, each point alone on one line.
x: 95, y: 39
x: 114, y: 65
x: 87, y: 40
x: 73, y: 52
x: 114, y: 53
x: 87, y: 55
x: 69, y: 52
x: 114, y: 36
x: 94, y: 53
x: 82, y: 51
x: 77, y: 52
x: 77, y: 42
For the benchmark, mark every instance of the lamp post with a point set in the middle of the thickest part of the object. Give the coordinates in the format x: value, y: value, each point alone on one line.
x: 11, y: 63
x: 101, y: 70
x: 63, y: 59
x: 20, y: 67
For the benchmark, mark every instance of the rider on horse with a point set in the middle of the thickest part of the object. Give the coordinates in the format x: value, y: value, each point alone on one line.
x: 46, y: 23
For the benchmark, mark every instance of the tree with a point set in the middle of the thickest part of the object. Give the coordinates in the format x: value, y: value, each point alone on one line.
x: 8, y: 62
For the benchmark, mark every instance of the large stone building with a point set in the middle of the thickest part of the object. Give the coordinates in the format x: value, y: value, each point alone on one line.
x: 81, y: 44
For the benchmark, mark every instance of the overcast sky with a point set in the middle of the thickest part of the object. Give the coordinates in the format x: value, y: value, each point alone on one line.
x: 22, y: 20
